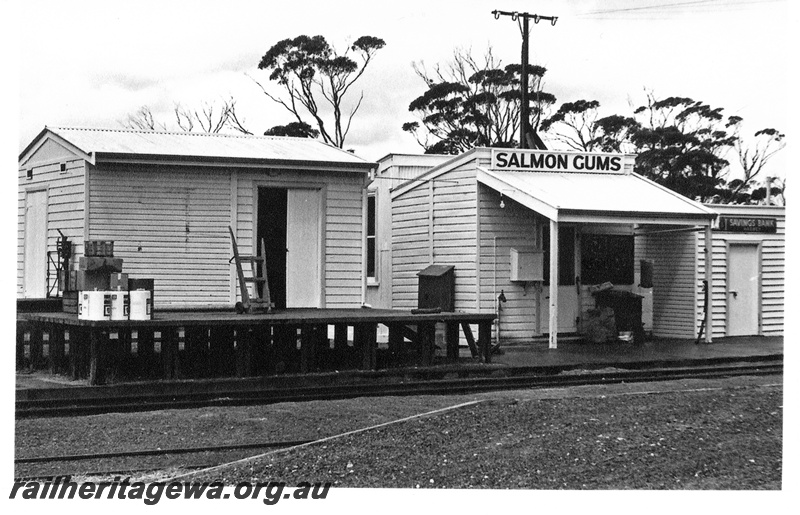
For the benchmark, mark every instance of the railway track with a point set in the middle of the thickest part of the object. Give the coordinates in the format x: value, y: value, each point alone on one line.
x: 216, y: 450
x: 552, y: 379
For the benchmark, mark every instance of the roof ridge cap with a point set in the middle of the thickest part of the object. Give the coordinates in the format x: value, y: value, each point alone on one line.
x: 175, y: 133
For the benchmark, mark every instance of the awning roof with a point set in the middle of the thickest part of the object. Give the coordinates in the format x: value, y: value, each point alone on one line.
x: 623, y: 197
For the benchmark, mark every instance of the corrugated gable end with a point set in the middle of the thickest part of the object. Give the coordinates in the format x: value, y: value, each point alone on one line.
x: 56, y: 168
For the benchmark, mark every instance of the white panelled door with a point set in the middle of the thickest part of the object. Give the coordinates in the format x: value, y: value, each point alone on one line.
x: 743, y: 288
x: 568, y: 297
x: 303, y: 252
x: 35, y: 273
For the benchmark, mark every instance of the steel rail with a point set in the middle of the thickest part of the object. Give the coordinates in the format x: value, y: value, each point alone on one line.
x: 76, y: 407
x: 158, y: 452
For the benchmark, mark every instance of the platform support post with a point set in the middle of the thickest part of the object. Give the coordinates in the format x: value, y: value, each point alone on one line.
x: 245, y: 337
x: 553, y: 327
x: 397, y: 347
x: 56, y: 349
x: 485, y: 340
x: 169, y: 352
x: 308, y: 345
x: 426, y: 341
x: 451, y: 337
x: 366, y: 334
x: 339, y: 336
x: 96, y: 361
x: 709, y: 246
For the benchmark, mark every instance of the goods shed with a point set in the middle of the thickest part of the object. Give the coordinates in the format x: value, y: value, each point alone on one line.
x: 510, y: 220
x: 166, y: 200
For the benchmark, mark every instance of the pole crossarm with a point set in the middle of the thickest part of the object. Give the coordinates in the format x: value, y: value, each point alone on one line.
x: 515, y: 15
x: 527, y: 136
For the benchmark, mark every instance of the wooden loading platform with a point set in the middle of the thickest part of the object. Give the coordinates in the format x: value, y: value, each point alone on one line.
x: 207, y: 344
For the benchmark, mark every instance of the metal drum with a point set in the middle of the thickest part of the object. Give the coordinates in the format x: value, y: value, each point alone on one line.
x: 94, y: 305
x: 120, y: 305
x: 141, y: 303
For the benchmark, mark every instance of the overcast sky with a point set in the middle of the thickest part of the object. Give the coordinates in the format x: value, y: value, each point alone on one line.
x: 91, y: 63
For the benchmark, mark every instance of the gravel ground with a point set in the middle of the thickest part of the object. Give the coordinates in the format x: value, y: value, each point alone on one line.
x: 119, y: 432
x: 722, y: 434
x: 708, y: 439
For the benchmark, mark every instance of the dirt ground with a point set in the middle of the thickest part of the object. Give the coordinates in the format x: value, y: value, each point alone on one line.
x: 692, y: 434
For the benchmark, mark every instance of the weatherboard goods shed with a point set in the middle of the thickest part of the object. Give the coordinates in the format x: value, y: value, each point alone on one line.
x: 167, y: 200
x: 509, y: 220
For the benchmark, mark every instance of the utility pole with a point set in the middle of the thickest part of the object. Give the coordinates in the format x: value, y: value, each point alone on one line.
x: 527, y: 137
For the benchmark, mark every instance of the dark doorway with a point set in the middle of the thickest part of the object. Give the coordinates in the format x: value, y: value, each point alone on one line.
x: 271, y: 226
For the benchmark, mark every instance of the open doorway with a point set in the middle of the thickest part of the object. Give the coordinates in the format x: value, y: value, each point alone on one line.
x: 289, y: 221
x: 271, y: 228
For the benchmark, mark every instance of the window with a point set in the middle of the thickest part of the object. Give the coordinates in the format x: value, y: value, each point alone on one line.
x: 371, y: 242
x: 29, y: 174
x: 607, y: 257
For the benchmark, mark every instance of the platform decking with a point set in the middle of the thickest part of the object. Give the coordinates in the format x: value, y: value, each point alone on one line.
x: 199, y: 344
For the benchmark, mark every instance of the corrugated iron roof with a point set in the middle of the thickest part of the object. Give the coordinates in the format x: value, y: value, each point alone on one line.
x: 204, y: 146
x: 597, y: 193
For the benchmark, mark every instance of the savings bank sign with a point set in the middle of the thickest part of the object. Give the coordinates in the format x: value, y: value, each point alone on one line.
x: 550, y: 161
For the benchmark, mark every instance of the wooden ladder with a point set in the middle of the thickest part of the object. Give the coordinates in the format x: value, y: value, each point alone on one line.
x: 258, y: 267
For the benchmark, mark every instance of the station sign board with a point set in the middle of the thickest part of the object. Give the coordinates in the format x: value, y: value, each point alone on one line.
x: 749, y: 224
x: 555, y: 161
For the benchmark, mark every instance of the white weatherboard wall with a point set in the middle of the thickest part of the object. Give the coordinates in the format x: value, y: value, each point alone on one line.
x: 172, y: 225
x: 65, y: 195
x: 772, y: 267
x: 675, y: 280
x: 435, y: 222
x: 501, y: 229
x: 169, y: 224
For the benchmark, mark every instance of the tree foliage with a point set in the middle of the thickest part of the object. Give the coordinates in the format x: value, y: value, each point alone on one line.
x: 316, y: 79
x: 470, y: 103
x: 680, y: 143
x: 293, y: 129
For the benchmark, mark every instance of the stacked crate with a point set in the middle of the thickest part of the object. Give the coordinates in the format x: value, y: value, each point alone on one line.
x: 92, y: 271
x: 99, y: 270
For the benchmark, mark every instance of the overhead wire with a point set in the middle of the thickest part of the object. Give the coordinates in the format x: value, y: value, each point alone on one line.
x: 689, y: 7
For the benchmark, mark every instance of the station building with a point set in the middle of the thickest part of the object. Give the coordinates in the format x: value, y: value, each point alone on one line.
x: 509, y: 220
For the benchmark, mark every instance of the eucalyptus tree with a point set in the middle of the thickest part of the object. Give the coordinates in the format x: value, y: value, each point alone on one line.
x: 316, y: 80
